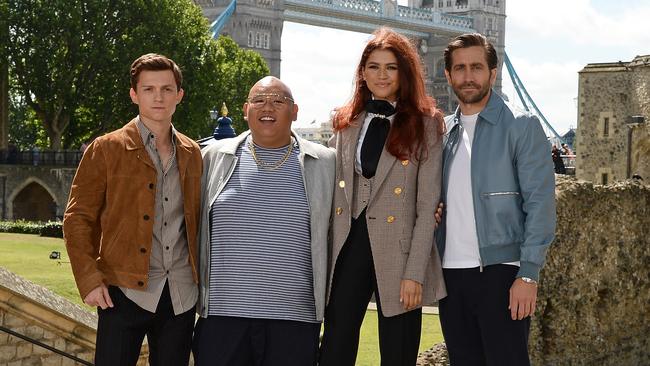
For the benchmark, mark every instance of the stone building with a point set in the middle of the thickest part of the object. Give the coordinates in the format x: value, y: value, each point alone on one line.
x: 316, y: 132
x: 613, y: 136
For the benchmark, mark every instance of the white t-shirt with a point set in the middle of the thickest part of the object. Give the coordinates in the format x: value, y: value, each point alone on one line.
x: 461, y: 247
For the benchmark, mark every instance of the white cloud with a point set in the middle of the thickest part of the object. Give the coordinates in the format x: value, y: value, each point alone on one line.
x: 553, y: 87
x: 318, y: 65
x: 580, y: 21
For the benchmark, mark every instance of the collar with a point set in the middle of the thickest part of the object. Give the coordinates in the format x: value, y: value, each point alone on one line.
x: 490, y: 114
x: 147, y: 135
x: 133, y: 138
x: 231, y: 145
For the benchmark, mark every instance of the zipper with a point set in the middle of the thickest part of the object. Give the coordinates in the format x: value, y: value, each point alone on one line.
x: 472, y: 162
x: 510, y: 193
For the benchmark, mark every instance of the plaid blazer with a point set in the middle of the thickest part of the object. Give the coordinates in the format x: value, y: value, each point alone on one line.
x: 400, y: 216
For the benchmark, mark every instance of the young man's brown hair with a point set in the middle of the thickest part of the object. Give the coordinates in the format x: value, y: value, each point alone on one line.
x: 471, y: 40
x: 154, y: 62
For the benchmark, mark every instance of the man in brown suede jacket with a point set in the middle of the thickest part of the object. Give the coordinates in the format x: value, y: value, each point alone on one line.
x: 131, y: 224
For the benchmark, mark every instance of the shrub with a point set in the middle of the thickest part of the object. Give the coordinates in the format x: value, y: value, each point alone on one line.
x: 52, y: 229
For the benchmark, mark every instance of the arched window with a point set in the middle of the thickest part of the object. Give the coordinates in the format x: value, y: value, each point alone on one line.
x: 250, y: 39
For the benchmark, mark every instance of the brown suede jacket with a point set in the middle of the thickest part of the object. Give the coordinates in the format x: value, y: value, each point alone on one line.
x: 108, y: 224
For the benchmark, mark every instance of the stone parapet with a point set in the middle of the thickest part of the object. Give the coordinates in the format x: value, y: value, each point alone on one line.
x: 38, y: 313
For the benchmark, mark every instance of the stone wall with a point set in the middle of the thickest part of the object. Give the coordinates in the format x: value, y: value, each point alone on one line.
x: 595, y: 287
x: 36, y: 312
x: 613, y: 92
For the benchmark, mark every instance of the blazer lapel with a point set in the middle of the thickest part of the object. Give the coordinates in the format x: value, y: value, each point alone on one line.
x: 386, y: 161
x: 348, y: 141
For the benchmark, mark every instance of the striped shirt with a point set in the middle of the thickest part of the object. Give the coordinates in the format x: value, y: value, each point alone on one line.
x: 260, y: 247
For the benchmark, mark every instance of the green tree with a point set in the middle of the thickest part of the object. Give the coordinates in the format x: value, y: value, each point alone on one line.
x: 239, y: 69
x: 71, y: 61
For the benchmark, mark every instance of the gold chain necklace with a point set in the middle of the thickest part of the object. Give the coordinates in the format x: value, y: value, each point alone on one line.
x: 270, y: 166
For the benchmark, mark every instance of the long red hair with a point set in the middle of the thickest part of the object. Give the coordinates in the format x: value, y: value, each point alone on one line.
x: 407, y: 137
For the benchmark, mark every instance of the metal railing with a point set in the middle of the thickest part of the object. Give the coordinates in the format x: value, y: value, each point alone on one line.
x: 40, y: 157
x: 48, y: 347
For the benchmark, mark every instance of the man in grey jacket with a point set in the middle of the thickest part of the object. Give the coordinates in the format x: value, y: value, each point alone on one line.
x: 499, y: 193
x: 266, y: 204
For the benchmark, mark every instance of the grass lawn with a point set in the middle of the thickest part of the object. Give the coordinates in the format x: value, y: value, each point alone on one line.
x: 28, y: 257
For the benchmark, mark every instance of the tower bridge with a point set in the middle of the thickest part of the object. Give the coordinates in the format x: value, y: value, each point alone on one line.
x: 258, y: 24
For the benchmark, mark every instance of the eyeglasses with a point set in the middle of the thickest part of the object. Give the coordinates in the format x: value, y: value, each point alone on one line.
x: 277, y: 101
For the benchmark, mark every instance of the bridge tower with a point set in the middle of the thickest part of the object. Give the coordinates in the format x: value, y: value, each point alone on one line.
x: 255, y: 25
x: 489, y: 19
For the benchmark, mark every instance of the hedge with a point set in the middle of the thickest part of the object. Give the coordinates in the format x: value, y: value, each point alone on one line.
x: 53, y: 229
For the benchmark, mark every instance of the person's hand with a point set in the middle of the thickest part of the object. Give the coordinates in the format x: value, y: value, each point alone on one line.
x: 438, y: 214
x: 523, y: 297
x: 99, y: 297
x: 410, y: 294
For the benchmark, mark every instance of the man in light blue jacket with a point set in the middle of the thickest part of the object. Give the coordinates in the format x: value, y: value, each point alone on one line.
x: 499, y: 193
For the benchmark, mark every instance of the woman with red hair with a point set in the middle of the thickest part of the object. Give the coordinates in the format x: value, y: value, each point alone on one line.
x: 388, y: 144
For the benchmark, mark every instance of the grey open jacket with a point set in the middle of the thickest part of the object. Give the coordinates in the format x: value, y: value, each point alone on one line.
x: 318, y: 170
x: 513, y: 186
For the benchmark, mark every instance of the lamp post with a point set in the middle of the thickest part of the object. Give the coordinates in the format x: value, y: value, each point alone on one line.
x: 632, y: 122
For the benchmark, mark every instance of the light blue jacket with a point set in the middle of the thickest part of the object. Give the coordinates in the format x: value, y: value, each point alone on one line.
x: 513, y: 186
x: 318, y: 169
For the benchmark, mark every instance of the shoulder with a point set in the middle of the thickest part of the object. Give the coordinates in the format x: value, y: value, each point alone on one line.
x: 517, y: 118
x: 188, y: 142
x: 321, y: 152
x: 213, y: 148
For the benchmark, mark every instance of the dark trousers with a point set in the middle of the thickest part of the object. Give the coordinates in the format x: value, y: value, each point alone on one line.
x: 476, y: 321
x: 353, y: 284
x: 121, y: 330
x: 232, y: 341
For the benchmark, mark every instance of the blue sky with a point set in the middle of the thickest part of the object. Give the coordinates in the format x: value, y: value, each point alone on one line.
x: 548, y: 43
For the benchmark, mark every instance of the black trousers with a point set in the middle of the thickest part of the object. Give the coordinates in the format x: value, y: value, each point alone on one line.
x: 353, y: 284
x: 121, y: 330
x: 476, y: 321
x: 232, y: 341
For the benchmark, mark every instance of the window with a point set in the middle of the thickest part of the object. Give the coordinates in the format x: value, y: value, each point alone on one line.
x: 448, y: 2
x: 258, y: 40
x: 441, y: 3
x: 267, y: 39
x: 250, y: 39
x: 606, y: 127
x: 604, y: 178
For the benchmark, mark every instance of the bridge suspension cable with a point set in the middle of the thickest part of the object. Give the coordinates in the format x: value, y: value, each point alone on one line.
x: 528, y: 102
x: 217, y: 25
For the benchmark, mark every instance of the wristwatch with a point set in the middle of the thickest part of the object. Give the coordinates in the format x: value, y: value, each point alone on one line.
x: 528, y: 280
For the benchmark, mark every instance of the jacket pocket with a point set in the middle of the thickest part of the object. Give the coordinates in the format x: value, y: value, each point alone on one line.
x: 504, y: 217
x: 405, y: 245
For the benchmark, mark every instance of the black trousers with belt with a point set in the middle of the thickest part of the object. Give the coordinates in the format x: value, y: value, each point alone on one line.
x: 476, y: 321
x: 121, y: 330
x: 353, y: 284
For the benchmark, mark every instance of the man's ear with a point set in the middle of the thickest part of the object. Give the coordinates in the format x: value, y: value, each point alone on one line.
x: 294, y: 112
x: 133, y: 95
x: 493, y: 76
x: 448, y: 76
x: 245, y: 110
